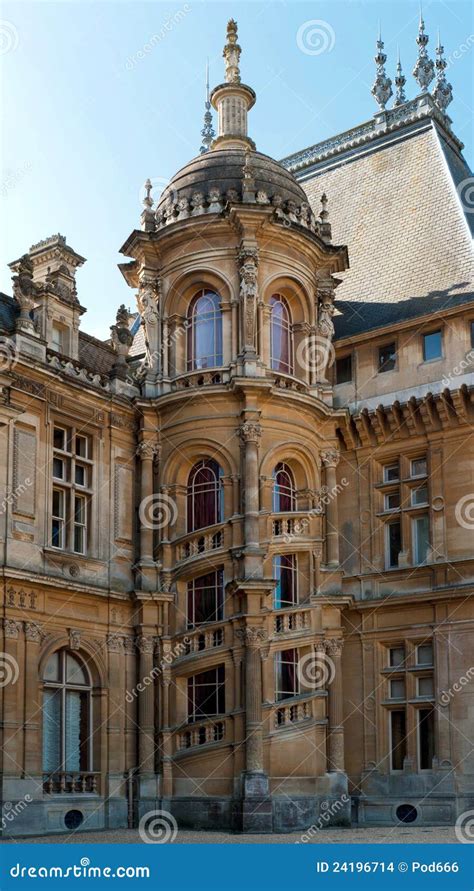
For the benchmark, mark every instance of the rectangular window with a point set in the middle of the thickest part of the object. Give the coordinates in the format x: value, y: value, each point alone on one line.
x: 424, y: 654
x: 397, y: 657
x: 425, y: 687
x: 69, y: 510
x: 344, y: 369
x: 419, y: 467
x: 206, y: 598
x: 287, y: 681
x: 391, y: 473
x: 58, y: 469
x: 397, y: 688
x: 426, y: 738
x: 393, y: 533
x: 392, y: 501
x: 398, y: 740
x: 432, y: 346
x: 285, y: 572
x: 80, y: 524
x: 206, y: 694
x: 421, y: 536
x: 59, y: 439
x: 58, y: 519
x: 387, y: 357
x: 419, y: 496
x: 58, y: 338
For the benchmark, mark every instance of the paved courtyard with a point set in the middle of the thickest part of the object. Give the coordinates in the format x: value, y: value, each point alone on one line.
x: 389, y: 835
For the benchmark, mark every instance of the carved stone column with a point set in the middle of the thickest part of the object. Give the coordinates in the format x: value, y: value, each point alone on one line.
x: 12, y: 734
x: 250, y: 434
x: 330, y: 460
x: 146, y: 706
x: 148, y: 451
x: 248, y: 268
x: 33, y: 765
x: 335, y: 708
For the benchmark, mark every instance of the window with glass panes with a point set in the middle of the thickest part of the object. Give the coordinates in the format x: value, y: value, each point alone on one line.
x: 408, y: 676
x: 206, y: 694
x: 404, y: 508
x: 72, y: 470
x: 66, y: 715
x: 286, y: 674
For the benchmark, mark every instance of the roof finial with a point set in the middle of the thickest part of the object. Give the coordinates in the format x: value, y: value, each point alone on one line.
x: 382, y: 88
x: 148, y: 200
x: 442, y: 91
x: 400, y: 81
x: 231, y: 54
x: 207, y: 132
x: 423, y: 71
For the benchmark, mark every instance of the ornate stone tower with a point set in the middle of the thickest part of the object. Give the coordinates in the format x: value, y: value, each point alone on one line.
x: 238, y: 572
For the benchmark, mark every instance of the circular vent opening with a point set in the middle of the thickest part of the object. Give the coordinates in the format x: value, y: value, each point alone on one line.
x: 406, y: 813
x: 73, y: 819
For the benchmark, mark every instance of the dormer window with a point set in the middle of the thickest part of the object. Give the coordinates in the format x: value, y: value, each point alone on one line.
x: 59, y: 338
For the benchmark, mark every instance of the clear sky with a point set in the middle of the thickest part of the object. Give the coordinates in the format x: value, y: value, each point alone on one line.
x: 91, y: 108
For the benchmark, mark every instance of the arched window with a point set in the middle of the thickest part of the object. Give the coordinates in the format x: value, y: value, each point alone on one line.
x: 66, y: 715
x: 204, y: 325
x: 205, y: 495
x: 284, y: 492
x: 285, y: 572
x: 281, y: 335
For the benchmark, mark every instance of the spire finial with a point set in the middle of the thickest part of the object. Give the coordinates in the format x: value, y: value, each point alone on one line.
x: 442, y: 91
x: 423, y: 71
x: 148, y: 200
x: 207, y: 132
x: 400, y: 81
x: 382, y: 88
x: 231, y: 54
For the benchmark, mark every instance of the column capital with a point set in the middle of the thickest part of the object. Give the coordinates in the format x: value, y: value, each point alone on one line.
x: 33, y: 632
x: 334, y: 646
x: 252, y: 635
x: 115, y: 643
x: 250, y: 432
x: 11, y: 628
x: 330, y: 458
x: 145, y: 644
x: 149, y: 449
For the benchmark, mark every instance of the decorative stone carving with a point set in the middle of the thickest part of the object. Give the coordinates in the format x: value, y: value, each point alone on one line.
x: 382, y: 88
x: 231, y: 54
x: 400, y: 81
x: 334, y: 646
x: 114, y: 643
x: 423, y: 71
x: 250, y: 432
x: 443, y: 91
x: 330, y: 458
x: 129, y: 644
x: 33, y: 632
x: 122, y: 340
x: 145, y: 644
x: 248, y: 260
x: 148, y: 449
x: 24, y: 292
x: 11, y: 628
x: 251, y: 635
x: 74, y: 639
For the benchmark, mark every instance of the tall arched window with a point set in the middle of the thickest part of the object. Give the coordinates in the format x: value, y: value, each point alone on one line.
x: 284, y: 491
x: 205, y: 495
x: 204, y: 331
x: 285, y: 572
x: 66, y: 715
x: 281, y: 335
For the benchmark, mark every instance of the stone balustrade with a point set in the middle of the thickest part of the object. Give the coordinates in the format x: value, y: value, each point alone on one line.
x: 205, y: 733
x: 286, y: 621
x: 200, y: 543
x: 286, y: 715
x: 71, y: 782
x: 196, y: 642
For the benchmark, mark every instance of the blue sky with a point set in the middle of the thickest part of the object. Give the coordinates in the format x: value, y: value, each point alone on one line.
x: 90, y: 113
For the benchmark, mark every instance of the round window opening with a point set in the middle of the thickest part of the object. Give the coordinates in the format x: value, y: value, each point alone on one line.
x: 73, y: 819
x: 406, y: 813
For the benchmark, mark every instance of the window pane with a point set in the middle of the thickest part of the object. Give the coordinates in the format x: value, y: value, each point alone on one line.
x: 205, y: 495
x: 397, y: 657
x: 392, y: 501
x: 58, y: 469
x: 58, y: 503
x: 59, y: 438
x: 344, y: 370
x: 75, y: 673
x: 391, y: 472
x: 287, y: 683
x: 281, y: 336
x: 398, y: 739
x: 387, y: 357
x: 79, y: 540
x: 206, y: 598
x: 432, y: 346
x: 80, y: 475
x: 424, y: 654
x: 205, y: 331
x: 284, y: 493
x: 425, y: 686
x: 284, y: 570
x: 81, y: 446
x: 394, y: 536
x: 426, y: 738
x: 421, y: 529
x: 206, y: 694
x: 397, y: 688
x: 419, y: 496
x: 419, y: 467
x: 51, y: 672
x: 76, y: 730
x: 51, y: 730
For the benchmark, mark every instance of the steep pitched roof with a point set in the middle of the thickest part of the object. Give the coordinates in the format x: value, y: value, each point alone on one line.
x: 394, y: 187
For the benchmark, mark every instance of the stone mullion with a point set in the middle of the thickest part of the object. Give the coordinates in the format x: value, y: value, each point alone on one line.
x: 33, y: 703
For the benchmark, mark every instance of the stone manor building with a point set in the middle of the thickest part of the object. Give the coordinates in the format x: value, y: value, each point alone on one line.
x: 238, y: 534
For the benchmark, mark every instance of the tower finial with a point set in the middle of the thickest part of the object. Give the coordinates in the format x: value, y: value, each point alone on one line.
x: 400, y: 81
x: 423, y: 71
x: 442, y: 90
x: 231, y: 54
x: 207, y: 132
x: 382, y: 88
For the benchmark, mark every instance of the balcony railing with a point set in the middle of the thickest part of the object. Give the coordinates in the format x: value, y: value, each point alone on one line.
x: 286, y: 715
x: 299, y: 620
x: 200, y: 543
x: 198, y: 641
x: 201, y: 734
x: 68, y: 782
x: 289, y: 526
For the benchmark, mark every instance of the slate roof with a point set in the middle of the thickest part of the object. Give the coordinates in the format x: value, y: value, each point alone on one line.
x: 393, y: 201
